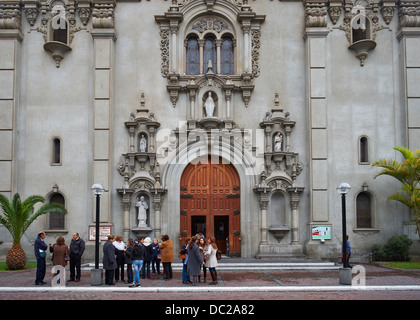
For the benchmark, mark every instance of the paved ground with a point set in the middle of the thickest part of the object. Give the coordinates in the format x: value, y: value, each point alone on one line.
x: 381, y: 283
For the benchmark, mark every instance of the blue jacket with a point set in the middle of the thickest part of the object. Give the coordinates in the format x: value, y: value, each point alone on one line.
x: 155, y: 250
x: 39, y: 244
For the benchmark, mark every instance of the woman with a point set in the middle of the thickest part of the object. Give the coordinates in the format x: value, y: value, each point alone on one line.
x: 137, y: 256
x: 128, y: 261
x: 167, y: 252
x: 60, y: 255
x: 211, y: 261
x: 119, y: 252
x: 202, y: 247
x: 194, y: 260
x: 145, y: 270
x: 184, y: 249
x: 155, y: 257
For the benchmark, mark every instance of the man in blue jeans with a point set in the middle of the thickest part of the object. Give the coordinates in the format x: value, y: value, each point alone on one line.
x: 40, y: 248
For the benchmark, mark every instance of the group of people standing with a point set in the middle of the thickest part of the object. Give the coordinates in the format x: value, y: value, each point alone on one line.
x: 137, y: 255
x: 61, y: 255
x: 198, y: 254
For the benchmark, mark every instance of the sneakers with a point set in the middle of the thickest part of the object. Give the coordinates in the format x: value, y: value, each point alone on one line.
x: 134, y: 285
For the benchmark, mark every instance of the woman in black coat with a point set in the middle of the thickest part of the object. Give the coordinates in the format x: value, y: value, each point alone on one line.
x: 194, y: 260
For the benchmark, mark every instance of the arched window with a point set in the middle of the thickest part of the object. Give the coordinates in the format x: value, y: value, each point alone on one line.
x: 226, y: 56
x: 360, y: 28
x: 210, y: 54
x: 56, y: 156
x: 193, y: 56
x: 364, y: 210
x: 56, y: 219
x: 363, y: 150
x: 59, y: 29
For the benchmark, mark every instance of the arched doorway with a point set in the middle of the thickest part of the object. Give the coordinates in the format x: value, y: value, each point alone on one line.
x: 210, y: 202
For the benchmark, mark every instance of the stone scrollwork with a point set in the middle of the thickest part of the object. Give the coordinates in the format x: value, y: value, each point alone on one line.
x: 164, y: 48
x: 10, y: 15
x: 103, y: 14
x: 409, y: 14
x: 316, y: 14
x: 256, y: 35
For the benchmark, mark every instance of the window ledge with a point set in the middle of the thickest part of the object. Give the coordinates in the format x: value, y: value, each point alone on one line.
x: 366, y: 231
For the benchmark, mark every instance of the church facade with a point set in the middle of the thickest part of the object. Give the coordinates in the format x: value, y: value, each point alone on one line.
x: 236, y: 118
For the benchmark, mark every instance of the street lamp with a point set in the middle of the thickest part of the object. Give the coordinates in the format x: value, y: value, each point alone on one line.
x: 343, y: 189
x: 345, y: 276
x: 96, y: 274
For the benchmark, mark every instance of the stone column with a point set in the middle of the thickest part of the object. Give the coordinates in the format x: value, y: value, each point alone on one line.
x: 10, y: 43
x: 201, y: 48
x: 409, y: 38
x: 218, y: 55
x: 104, y: 36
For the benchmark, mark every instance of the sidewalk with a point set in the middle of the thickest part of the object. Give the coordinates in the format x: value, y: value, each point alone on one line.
x: 259, y: 280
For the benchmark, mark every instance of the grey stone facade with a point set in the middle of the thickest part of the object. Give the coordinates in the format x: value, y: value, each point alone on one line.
x: 336, y: 81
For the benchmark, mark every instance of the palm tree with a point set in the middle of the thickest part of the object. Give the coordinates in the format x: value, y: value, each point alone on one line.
x: 17, y: 217
x: 408, y: 173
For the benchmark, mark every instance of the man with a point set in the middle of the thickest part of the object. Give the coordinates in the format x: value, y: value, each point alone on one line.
x: 109, y: 261
x: 40, y: 248
x: 77, y: 247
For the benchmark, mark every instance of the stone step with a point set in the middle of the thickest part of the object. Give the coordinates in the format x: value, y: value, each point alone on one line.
x: 229, y: 265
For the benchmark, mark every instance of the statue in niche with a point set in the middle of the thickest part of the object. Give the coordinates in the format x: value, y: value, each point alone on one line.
x: 142, y: 212
x: 278, y: 140
x: 143, y: 144
x: 209, y: 106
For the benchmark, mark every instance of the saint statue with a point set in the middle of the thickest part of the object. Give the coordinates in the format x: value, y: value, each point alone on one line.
x: 142, y: 215
x: 143, y: 144
x: 209, y: 106
x: 278, y: 139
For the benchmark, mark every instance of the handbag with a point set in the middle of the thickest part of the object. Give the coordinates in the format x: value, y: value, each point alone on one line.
x: 42, y: 254
x: 182, y: 256
x: 218, y: 255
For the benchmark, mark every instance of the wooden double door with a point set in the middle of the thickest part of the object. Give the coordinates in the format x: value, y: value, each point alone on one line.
x: 210, y: 203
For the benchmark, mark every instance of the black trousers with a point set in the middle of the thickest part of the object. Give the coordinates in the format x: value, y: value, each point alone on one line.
x: 167, y: 269
x: 109, y: 276
x: 120, y: 267
x: 129, y: 272
x: 75, y: 264
x: 40, y: 270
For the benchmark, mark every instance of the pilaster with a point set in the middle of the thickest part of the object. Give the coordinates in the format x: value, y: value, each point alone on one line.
x: 103, y: 34
x: 317, y: 103
x: 10, y: 39
x: 409, y: 37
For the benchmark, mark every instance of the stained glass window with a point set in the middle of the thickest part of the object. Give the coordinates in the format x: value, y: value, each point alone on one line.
x: 226, y: 56
x: 193, y: 56
x: 209, y: 54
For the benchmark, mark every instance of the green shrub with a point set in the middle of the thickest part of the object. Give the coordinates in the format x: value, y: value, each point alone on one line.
x: 395, y: 249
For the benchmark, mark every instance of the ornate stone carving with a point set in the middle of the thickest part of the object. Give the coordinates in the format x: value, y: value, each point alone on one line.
x: 164, y: 48
x: 210, y: 23
x: 334, y: 11
x: 255, y: 38
x: 387, y: 10
x: 409, y: 14
x: 103, y: 14
x: 316, y: 14
x: 10, y: 15
x: 31, y: 15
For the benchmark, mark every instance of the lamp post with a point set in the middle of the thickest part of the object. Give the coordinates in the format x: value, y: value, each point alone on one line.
x: 345, y: 272
x: 96, y: 274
